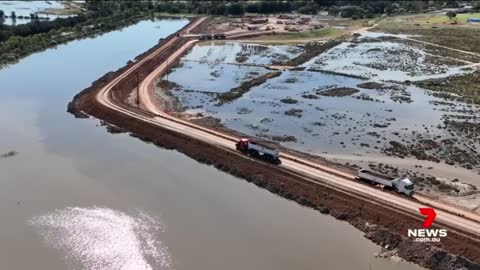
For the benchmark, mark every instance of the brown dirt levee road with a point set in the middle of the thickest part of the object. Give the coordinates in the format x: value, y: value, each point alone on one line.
x: 385, y: 217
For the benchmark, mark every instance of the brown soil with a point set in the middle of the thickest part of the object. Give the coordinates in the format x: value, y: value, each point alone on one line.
x: 166, y: 100
x: 356, y: 210
x: 216, y: 124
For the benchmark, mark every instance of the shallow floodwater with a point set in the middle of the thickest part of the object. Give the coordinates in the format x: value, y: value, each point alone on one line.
x: 25, y: 8
x: 299, y: 110
x: 77, y: 197
x: 386, y: 60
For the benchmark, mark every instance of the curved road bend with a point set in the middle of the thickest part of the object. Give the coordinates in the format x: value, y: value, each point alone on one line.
x: 456, y: 219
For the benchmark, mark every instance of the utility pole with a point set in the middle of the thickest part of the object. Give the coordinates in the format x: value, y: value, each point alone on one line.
x: 167, y: 68
x: 185, y: 50
x: 138, y: 93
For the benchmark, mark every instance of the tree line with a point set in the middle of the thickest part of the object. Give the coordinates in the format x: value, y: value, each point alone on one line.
x: 101, y: 15
x: 37, y: 26
x: 345, y: 8
x: 105, y: 8
x: 17, y: 41
x: 95, y: 10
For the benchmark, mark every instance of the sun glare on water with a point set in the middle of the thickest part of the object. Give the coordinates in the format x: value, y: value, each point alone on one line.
x: 102, y: 238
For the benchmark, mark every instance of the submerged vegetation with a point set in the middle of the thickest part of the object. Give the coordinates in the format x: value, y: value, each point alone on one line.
x: 338, y: 92
x: 354, y: 9
x: 310, y: 51
x: 238, y: 92
x: 8, y: 154
x: 462, y: 87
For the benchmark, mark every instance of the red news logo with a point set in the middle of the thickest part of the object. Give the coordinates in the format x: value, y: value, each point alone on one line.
x: 426, y: 234
x: 431, y: 215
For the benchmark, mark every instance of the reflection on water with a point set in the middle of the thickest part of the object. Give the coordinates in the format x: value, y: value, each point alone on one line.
x: 324, y: 123
x: 212, y: 220
x: 292, y: 108
x: 101, y: 238
x: 385, y: 60
x: 230, y: 52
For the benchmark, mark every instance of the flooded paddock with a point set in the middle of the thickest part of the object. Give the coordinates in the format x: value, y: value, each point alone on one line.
x: 77, y: 197
x: 347, y: 101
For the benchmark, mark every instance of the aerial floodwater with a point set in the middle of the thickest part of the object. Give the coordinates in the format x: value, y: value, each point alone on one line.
x: 77, y: 197
x: 23, y: 9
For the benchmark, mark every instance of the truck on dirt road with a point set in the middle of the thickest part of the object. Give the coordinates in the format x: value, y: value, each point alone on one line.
x: 400, y: 184
x: 258, y: 150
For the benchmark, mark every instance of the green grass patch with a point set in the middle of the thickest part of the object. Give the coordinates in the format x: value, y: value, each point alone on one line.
x: 443, y: 19
x: 313, y: 34
x: 293, y: 37
x: 321, y: 33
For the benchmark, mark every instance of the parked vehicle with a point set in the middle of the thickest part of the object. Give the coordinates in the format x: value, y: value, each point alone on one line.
x: 205, y: 36
x: 401, y: 184
x: 258, y: 150
x: 219, y: 36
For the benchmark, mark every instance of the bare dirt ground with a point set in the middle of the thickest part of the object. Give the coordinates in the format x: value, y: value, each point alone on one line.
x: 287, y: 29
x: 364, y: 213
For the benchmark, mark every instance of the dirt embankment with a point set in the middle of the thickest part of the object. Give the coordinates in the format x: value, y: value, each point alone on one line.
x: 379, y: 224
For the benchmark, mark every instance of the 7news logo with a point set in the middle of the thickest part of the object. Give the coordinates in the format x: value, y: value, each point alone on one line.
x: 426, y: 234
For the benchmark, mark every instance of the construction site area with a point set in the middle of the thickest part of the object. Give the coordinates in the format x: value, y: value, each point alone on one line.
x: 290, y: 88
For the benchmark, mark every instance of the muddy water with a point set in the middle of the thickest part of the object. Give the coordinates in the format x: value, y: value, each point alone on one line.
x: 76, y: 197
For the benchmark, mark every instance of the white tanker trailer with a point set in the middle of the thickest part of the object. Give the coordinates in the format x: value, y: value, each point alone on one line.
x: 401, y: 184
x: 258, y: 150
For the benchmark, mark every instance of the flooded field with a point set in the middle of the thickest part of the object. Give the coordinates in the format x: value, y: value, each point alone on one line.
x: 76, y: 197
x: 25, y: 8
x: 242, y: 53
x: 359, y: 109
x: 386, y: 57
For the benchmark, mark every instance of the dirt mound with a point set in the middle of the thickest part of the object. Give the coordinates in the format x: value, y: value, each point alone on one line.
x: 338, y: 92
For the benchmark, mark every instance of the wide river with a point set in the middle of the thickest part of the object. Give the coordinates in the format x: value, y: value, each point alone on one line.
x: 77, y: 197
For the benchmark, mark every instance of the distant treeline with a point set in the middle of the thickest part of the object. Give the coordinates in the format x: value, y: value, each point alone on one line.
x: 38, y: 26
x: 342, y: 8
x: 105, y: 8
x: 97, y: 16
x: 94, y: 10
x: 17, y: 41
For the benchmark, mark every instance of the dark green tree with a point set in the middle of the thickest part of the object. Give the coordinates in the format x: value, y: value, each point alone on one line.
x: 451, y: 15
x: 252, y: 7
x: 236, y: 9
